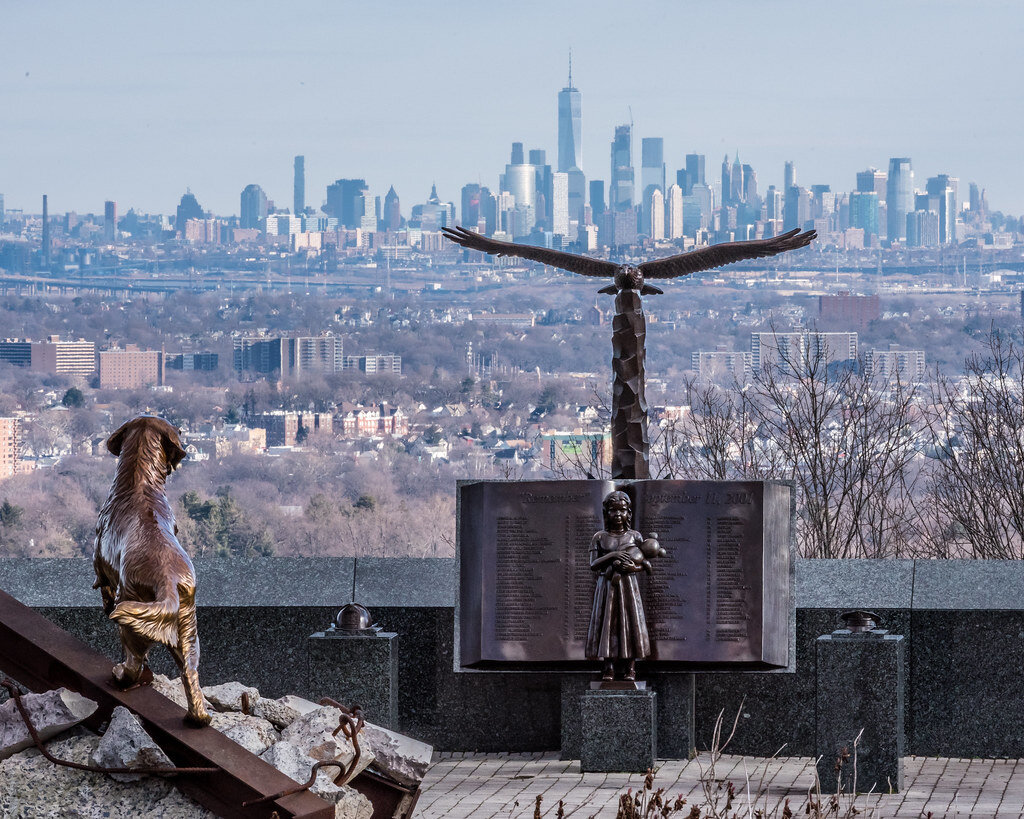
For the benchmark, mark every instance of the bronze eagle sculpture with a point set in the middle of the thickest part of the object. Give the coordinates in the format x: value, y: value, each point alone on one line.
x: 633, y: 277
x: 630, y: 441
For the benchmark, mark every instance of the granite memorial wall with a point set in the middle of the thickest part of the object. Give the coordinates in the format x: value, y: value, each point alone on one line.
x: 962, y: 621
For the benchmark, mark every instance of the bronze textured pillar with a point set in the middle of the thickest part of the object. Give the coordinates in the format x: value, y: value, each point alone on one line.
x: 630, y: 443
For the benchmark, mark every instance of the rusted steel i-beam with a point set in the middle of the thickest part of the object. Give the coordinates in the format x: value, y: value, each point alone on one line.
x: 41, y: 656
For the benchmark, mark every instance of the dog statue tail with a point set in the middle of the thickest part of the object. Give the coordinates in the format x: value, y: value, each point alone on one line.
x: 156, y: 621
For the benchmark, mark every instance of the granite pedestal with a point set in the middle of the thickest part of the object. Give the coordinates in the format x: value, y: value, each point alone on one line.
x: 674, y: 714
x: 618, y: 731
x: 356, y: 669
x: 860, y: 692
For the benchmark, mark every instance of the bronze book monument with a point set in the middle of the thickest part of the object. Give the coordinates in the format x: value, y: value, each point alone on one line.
x: 718, y: 597
x: 538, y: 587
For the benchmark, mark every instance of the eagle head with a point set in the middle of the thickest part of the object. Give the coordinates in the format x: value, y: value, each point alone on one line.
x: 629, y: 277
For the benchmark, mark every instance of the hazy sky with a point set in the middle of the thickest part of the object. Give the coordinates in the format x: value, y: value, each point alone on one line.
x: 135, y: 101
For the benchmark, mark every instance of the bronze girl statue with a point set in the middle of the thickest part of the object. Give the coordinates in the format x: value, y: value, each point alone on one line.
x: 618, y: 627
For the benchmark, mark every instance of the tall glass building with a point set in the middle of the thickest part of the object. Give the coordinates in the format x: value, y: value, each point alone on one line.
x: 299, y: 186
x: 569, y: 127
x: 620, y: 193
x: 864, y: 211
x: 899, y: 197
x: 570, y: 151
x: 652, y: 175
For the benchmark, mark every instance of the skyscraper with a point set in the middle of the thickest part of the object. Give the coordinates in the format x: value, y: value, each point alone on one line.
x: 488, y: 210
x: 797, y: 207
x: 345, y: 201
x: 538, y: 158
x: 569, y: 126
x: 597, y: 203
x: 560, y: 204
x: 45, y: 256
x: 253, y: 208
x: 872, y: 180
x: 675, y: 212
x: 737, y: 193
x: 620, y: 193
x: 942, y: 191
x: 773, y: 206
x: 788, y: 176
x: 694, y: 172
x: 726, y: 182
x: 570, y: 153
x: 652, y: 176
x: 864, y: 211
x: 656, y: 209
x: 470, y: 205
x: 899, y: 197
x: 392, y: 210
x: 750, y: 186
x: 110, y: 221
x: 300, y: 186
x: 188, y: 208
x: 520, y: 179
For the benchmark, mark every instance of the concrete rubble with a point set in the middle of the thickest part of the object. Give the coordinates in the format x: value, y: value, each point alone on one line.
x: 32, y: 786
x: 397, y: 756
x: 125, y: 744
x: 313, y: 735
x: 252, y: 733
x: 289, y: 733
x: 51, y: 712
x: 278, y: 713
x: 229, y: 696
x: 293, y: 762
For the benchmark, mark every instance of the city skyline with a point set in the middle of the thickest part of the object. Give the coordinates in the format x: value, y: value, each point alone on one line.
x: 221, y: 106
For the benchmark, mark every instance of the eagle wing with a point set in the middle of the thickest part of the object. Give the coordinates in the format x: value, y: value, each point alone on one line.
x: 726, y: 253
x: 555, y: 258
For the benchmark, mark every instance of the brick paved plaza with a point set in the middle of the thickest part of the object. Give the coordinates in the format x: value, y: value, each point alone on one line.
x: 506, y: 785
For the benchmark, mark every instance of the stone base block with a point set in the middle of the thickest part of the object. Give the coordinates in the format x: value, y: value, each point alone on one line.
x: 675, y: 714
x: 618, y: 731
x: 356, y: 670
x: 860, y: 691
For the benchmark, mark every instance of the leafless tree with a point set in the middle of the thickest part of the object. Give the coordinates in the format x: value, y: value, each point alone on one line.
x: 976, y: 482
x: 847, y: 444
x: 714, y: 437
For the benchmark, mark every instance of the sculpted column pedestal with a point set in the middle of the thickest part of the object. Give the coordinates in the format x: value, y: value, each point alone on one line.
x: 630, y: 442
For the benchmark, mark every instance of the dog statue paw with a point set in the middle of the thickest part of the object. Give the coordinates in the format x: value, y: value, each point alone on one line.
x: 198, y: 720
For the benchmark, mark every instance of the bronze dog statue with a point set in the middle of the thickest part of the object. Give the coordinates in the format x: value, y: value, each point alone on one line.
x: 146, y: 579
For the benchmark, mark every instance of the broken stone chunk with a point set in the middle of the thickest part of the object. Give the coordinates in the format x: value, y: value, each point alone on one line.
x: 291, y: 761
x: 228, y: 696
x: 276, y: 712
x: 51, y: 713
x: 127, y: 745
x: 252, y: 733
x: 397, y: 756
x: 312, y: 734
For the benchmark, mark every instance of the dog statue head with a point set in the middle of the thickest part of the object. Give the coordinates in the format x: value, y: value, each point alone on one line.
x: 142, y: 425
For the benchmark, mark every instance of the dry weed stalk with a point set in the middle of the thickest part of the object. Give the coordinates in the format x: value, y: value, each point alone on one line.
x: 720, y: 796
